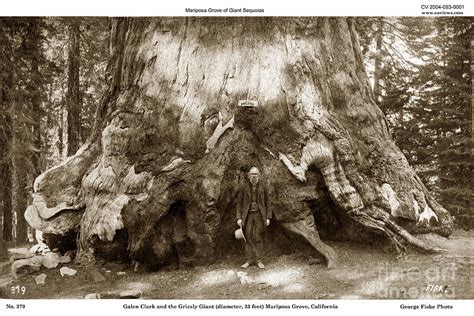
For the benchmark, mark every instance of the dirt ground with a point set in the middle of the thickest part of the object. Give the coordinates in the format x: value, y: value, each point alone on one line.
x: 364, y: 272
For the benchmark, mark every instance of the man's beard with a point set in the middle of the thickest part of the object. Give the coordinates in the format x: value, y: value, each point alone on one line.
x: 254, y: 181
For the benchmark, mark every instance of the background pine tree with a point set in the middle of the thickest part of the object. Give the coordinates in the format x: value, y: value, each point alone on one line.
x: 33, y: 89
x: 425, y: 92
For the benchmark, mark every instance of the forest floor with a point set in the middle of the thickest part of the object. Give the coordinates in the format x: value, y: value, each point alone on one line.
x: 363, y: 272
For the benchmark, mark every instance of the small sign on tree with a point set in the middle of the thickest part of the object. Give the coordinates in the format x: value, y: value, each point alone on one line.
x: 248, y: 103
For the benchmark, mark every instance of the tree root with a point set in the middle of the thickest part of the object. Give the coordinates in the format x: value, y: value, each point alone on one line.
x: 392, y: 230
x: 307, y: 229
x: 320, y: 152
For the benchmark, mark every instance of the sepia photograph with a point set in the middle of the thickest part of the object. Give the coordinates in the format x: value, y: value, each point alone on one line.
x: 236, y: 158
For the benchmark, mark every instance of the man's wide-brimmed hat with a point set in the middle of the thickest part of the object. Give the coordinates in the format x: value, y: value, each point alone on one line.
x: 239, y: 234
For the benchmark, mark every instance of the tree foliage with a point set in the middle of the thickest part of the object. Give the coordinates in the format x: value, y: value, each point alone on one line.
x: 426, y: 95
x: 33, y: 83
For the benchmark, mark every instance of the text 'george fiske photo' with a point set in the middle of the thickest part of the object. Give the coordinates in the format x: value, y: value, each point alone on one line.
x: 237, y: 158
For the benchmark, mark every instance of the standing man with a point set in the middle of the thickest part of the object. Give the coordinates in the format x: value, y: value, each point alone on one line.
x: 254, y: 214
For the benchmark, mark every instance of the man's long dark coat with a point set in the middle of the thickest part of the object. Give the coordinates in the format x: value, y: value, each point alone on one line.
x: 245, y: 197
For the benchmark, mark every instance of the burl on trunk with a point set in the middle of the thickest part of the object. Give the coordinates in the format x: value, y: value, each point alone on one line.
x: 174, y: 137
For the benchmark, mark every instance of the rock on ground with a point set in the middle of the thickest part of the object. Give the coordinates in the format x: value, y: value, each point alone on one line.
x: 67, y: 271
x: 40, y: 278
x: 50, y: 260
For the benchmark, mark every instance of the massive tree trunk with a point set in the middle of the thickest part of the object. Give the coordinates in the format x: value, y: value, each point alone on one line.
x: 172, y: 142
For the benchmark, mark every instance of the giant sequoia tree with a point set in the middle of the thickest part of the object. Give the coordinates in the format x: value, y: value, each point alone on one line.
x: 173, y: 140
